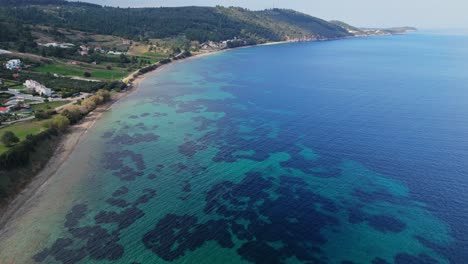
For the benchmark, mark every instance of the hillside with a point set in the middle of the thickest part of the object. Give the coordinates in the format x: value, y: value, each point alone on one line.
x: 195, y: 23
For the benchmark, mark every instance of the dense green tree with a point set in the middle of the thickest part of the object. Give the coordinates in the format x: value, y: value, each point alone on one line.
x: 9, y: 138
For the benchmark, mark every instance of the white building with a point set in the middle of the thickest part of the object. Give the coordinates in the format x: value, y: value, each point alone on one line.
x: 13, y: 64
x: 111, y: 52
x: 58, y: 45
x: 38, y: 88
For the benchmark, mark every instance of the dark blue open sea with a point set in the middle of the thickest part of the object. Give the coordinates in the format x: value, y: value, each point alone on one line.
x: 350, y: 151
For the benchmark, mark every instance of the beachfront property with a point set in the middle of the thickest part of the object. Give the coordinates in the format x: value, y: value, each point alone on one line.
x: 38, y: 88
x: 13, y: 64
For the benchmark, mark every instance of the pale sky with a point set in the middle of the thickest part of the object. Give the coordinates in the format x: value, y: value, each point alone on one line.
x: 362, y: 13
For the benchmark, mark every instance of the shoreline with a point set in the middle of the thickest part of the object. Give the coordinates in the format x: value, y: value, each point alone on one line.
x: 16, y: 207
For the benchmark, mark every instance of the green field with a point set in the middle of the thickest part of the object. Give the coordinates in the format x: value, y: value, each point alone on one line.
x: 49, y: 105
x: 18, y: 87
x: 109, y: 74
x: 74, y: 70
x: 60, y: 69
x: 21, y: 130
x: 154, y: 57
x: 12, y: 85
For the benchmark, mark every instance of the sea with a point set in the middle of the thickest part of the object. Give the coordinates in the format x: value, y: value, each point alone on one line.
x: 347, y: 151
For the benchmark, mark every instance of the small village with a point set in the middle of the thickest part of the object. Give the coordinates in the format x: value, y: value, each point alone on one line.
x: 21, y: 99
x: 20, y: 102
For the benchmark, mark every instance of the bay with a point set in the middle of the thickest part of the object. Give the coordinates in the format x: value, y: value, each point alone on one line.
x: 350, y: 151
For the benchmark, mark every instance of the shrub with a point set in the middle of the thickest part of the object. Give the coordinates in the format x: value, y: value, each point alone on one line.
x: 41, y: 114
x: 87, y: 74
x: 89, y: 105
x: 106, y: 96
x: 73, y: 113
x: 59, y: 122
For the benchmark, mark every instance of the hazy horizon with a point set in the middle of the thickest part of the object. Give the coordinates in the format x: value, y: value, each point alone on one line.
x: 429, y: 14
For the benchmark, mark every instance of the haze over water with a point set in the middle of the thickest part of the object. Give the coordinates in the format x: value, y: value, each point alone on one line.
x: 351, y: 151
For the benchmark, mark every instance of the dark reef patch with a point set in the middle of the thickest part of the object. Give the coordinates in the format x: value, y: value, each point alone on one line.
x: 117, y: 202
x: 108, y: 134
x: 123, y: 219
x: 116, y: 162
x: 404, y: 258
x: 377, y: 196
x: 179, y: 167
x: 141, y: 126
x: 248, y: 211
x: 379, y: 261
x: 160, y: 167
x: 75, y: 214
x: 157, y: 114
x: 205, y: 123
x: 60, y: 252
x: 260, y: 252
x: 126, y: 139
x: 385, y: 223
x: 186, y: 187
x: 121, y: 191
x: 173, y: 235
x: 382, y: 223
x: 147, y: 195
x: 97, y: 241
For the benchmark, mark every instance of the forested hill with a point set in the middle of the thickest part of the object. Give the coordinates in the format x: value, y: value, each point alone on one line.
x: 196, y: 23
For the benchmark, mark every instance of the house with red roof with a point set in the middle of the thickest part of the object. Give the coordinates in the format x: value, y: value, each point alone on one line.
x: 4, y: 110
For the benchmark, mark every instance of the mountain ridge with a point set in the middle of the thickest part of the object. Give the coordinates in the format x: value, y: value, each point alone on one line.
x: 194, y: 22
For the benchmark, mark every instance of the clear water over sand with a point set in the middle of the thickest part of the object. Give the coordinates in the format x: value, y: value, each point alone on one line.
x: 350, y: 151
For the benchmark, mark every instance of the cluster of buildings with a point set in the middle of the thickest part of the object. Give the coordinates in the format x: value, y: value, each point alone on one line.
x: 19, y: 102
x: 84, y: 51
x: 14, y: 104
x: 57, y: 45
x: 38, y: 88
x: 13, y: 64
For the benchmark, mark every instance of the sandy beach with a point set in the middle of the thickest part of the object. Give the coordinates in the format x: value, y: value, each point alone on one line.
x: 66, y: 146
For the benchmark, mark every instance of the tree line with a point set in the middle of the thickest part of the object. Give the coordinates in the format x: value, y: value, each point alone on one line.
x: 18, y: 154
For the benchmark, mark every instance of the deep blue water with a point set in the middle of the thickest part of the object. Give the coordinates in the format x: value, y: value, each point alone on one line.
x: 350, y: 151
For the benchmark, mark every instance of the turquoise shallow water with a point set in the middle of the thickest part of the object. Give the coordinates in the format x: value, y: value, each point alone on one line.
x: 349, y: 151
